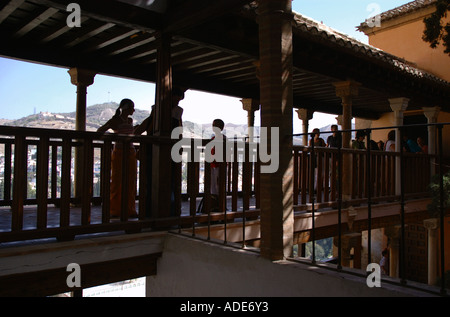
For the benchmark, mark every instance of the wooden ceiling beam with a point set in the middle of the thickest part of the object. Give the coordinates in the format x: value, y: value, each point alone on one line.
x: 95, y: 31
x: 134, y: 43
x: 9, y: 8
x: 191, y: 13
x: 60, y: 30
x: 223, y: 68
x: 115, y: 12
x: 113, y: 39
x: 206, y: 62
x: 194, y: 55
x: 35, y: 22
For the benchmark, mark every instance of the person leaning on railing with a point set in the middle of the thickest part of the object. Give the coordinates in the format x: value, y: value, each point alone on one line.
x: 147, y: 127
x: 121, y: 123
x: 358, y: 143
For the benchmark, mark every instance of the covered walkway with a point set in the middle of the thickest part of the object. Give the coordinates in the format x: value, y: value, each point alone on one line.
x: 260, y: 51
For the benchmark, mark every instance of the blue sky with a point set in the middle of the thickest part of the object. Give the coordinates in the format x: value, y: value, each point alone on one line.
x: 26, y: 88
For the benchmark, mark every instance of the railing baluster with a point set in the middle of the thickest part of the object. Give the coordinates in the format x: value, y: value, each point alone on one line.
x: 333, y: 180
x: 207, y: 195
x: 223, y: 189
x: 106, y: 180
x: 191, y: 184
x: 20, y: 177
x: 247, y: 175
x: 442, y: 200
x: 143, y: 168
x: 339, y: 201
x: 65, y: 183
x: 87, y: 179
x: 257, y: 178
x: 312, y: 199
x: 246, y: 179
x: 7, y: 172
x: 42, y: 182
x: 304, y: 176
x: 54, y: 172
x: 402, y: 212
x: 295, y: 177
x: 125, y: 181
x: 369, y: 197
x: 326, y: 187
x: 235, y: 177
x: 319, y: 180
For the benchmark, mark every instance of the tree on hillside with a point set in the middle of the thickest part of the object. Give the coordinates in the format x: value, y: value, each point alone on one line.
x: 435, y: 31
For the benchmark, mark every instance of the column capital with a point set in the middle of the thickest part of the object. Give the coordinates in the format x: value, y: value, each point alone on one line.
x: 249, y: 104
x: 348, y: 88
x: 431, y: 224
x: 282, y: 7
x: 305, y: 114
x: 431, y: 113
x: 79, y: 76
x: 399, y: 104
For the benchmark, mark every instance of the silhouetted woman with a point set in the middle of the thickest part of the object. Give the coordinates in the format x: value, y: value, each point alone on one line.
x: 121, y: 123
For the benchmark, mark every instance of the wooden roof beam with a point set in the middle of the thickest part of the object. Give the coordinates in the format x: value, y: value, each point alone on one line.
x: 109, y: 11
x: 206, y: 62
x: 9, y: 8
x: 63, y: 28
x: 190, y: 13
x: 90, y: 34
x: 35, y: 22
x: 139, y: 42
x: 221, y: 68
x: 115, y: 38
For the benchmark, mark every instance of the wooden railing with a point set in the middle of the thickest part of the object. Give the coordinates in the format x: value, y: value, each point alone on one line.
x: 39, y: 171
x: 324, y: 181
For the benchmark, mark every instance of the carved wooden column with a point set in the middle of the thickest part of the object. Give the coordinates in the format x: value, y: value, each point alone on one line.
x: 346, y: 90
x: 432, y: 114
x: 250, y: 105
x: 305, y: 115
x: 432, y: 226
x: 162, y: 161
x: 81, y: 78
x: 275, y: 43
x: 398, y: 105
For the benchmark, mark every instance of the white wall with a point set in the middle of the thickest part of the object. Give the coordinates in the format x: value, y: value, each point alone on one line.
x: 194, y: 268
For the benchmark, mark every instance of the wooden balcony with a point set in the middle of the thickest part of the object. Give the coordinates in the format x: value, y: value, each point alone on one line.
x: 38, y: 200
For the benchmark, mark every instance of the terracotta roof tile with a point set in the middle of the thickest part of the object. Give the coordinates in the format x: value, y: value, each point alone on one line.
x: 402, y: 10
x: 308, y: 27
x: 316, y: 29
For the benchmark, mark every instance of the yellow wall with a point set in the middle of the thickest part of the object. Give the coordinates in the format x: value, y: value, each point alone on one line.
x: 402, y: 37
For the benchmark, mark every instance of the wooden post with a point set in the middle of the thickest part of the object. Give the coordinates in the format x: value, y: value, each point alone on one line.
x: 305, y: 115
x: 81, y: 78
x: 398, y: 105
x: 275, y: 29
x: 161, y: 162
x: 346, y: 90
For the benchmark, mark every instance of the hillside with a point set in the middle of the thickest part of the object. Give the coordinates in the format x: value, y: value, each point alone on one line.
x: 98, y: 114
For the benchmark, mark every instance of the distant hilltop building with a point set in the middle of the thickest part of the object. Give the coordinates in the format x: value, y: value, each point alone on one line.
x: 46, y: 114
